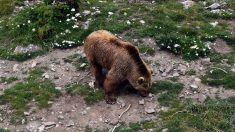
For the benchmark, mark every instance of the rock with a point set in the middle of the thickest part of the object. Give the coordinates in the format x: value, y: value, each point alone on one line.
x: 41, y: 128
x: 188, y: 3
x: 121, y: 102
x: 114, y: 121
x: 176, y: 74
x: 45, y: 75
x: 182, y: 69
x: 149, y: 110
x: 198, y: 80
x: 215, y: 11
x: 91, y: 84
x: 168, y: 70
x: 15, y: 67
x: 84, y: 112
x: 60, y: 117
x: 165, y: 130
x: 34, y: 63
x: 141, y: 102
x: 58, y: 88
x: 28, y: 49
x: 70, y: 123
x: 193, y: 86
x: 83, y: 65
x: 49, y: 125
x: 161, y: 69
x: 150, y: 95
x: 26, y: 113
x: 33, y: 126
x: 164, y: 74
x: 206, y: 61
x: 214, y: 6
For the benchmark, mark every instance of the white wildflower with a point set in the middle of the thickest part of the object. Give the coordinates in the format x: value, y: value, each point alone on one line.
x: 125, y: 14
x: 33, y: 29
x: 75, y: 26
x: 193, y: 47
x: 77, y: 14
x: 214, y: 24
x: 142, y: 21
x: 68, y: 20
x: 73, y: 18
x: 176, y: 45
x: 110, y: 13
x: 29, y: 21
x: 128, y: 22
x: 73, y: 9
x: 67, y: 31
x: 18, y: 25
x: 86, y: 12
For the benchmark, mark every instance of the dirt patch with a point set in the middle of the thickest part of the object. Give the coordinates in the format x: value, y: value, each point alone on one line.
x: 220, y: 46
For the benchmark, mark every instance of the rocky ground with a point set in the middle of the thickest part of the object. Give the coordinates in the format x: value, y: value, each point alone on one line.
x: 71, y: 113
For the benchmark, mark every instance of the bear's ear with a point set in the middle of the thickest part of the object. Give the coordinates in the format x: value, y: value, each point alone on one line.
x: 140, y: 80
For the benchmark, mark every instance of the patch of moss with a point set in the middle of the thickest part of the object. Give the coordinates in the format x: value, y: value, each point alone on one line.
x: 8, y: 80
x: 22, y: 93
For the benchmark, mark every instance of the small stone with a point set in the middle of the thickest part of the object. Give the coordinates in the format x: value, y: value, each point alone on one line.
x: 50, y: 102
x: 45, y: 75
x: 84, y: 112
x: 28, y: 49
x: 33, y: 126
x: 187, y: 4
x: 58, y: 88
x: 205, y: 61
x: 141, y: 102
x: 149, y: 110
x: 114, y: 121
x: 41, y: 128
x: 193, y: 86
x: 60, y: 117
x: 70, y: 123
x: 197, y: 80
x: 164, y: 74
x: 165, y: 130
x: 15, y: 67
x: 91, y: 84
x: 83, y: 65
x: 34, y: 63
x: 53, y: 69
x: 49, y: 125
x: 214, y: 6
x: 121, y: 102
x: 150, y: 95
x: 26, y: 113
x: 161, y: 69
x: 176, y: 74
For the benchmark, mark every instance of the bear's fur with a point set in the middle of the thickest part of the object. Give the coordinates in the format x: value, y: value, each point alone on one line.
x: 122, y: 61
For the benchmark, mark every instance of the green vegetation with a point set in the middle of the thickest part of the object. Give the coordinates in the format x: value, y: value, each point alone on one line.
x: 21, y: 94
x: 191, y: 72
x: 90, y: 95
x: 7, y: 6
x: 79, y: 61
x: 169, y: 90
x: 217, y: 58
x: 181, y: 31
x: 146, y: 49
x: 218, y: 76
x: 7, y: 80
x: 4, y: 130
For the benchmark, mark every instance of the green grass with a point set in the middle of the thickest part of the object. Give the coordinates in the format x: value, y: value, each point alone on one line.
x: 170, y: 92
x: 212, y: 115
x: 7, y: 6
x: 191, y: 72
x: 4, y: 130
x: 218, y: 76
x: 143, y: 48
x: 8, y: 80
x: 217, y: 58
x: 22, y: 93
x: 77, y: 60
x: 183, y: 32
x: 89, y: 94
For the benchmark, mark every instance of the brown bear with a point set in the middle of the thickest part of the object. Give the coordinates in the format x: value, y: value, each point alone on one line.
x: 122, y: 61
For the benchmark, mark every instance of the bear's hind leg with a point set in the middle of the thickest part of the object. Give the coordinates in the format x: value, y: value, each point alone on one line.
x: 99, y: 77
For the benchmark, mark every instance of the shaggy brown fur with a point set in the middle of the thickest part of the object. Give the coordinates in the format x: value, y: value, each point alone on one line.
x: 121, y: 59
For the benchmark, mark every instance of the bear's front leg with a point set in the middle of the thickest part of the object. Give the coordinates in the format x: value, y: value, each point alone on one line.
x: 110, y: 88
